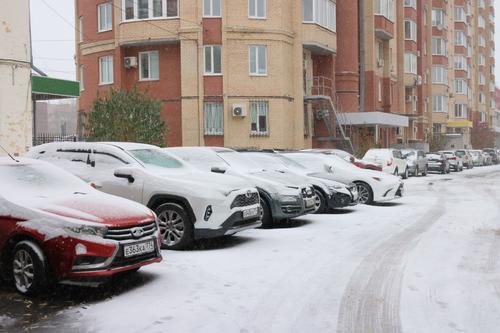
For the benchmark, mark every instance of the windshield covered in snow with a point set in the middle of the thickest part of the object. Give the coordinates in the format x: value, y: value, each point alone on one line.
x: 309, y: 161
x: 34, y: 177
x: 202, y: 159
x: 238, y: 161
x: 157, y: 158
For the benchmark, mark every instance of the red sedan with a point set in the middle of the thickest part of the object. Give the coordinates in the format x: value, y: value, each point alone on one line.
x: 54, y: 227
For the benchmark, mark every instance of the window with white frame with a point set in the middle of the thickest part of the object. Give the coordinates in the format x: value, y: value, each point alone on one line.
x: 149, y: 66
x: 213, y: 59
x: 481, y: 60
x: 482, y: 79
x: 481, y: 4
x: 461, y: 110
x: 483, y: 117
x: 482, y: 98
x: 321, y: 12
x: 411, y: 3
x: 105, y: 17
x: 410, y: 30
x: 439, y: 46
x: 82, y: 78
x: 257, y: 9
x: 482, y: 41
x: 106, y: 70
x: 214, y: 118
x: 259, y: 114
x: 211, y: 8
x: 460, y: 62
x: 80, y: 28
x: 481, y: 22
x: 410, y: 63
x: 385, y: 8
x: 439, y: 75
x: 149, y: 9
x: 460, y: 38
x: 438, y: 18
x: 440, y: 103
x: 257, y: 55
x: 461, y: 87
x: 460, y: 14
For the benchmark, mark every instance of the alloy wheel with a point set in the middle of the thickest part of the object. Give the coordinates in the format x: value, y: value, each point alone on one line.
x: 24, y: 270
x: 363, y: 194
x: 171, y: 227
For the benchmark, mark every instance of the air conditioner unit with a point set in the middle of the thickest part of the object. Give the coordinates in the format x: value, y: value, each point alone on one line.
x: 418, y: 81
x: 130, y: 62
x: 380, y: 62
x: 239, y: 110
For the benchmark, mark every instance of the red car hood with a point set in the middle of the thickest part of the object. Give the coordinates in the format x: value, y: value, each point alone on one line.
x: 92, y: 207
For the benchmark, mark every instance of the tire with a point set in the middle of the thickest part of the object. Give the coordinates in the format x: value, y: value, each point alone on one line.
x: 30, y: 270
x: 396, y: 172
x: 266, y: 216
x: 320, y: 202
x: 444, y: 171
x: 177, y: 230
x: 406, y: 174
x: 365, y: 193
x: 415, y: 174
x: 424, y: 173
x: 448, y: 170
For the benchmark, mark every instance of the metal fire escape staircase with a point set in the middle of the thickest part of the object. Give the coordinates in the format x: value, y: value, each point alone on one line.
x: 326, y: 107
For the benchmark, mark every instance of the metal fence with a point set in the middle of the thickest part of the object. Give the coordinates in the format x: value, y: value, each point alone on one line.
x: 42, y: 138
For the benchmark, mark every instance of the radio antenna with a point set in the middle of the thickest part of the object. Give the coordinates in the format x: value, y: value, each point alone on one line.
x: 5, y: 150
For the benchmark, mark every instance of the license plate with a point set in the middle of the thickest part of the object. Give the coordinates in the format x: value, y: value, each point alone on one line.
x: 309, y: 203
x: 138, y: 249
x: 252, y: 212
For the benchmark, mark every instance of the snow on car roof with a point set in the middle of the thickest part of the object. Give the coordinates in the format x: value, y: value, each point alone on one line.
x: 130, y: 145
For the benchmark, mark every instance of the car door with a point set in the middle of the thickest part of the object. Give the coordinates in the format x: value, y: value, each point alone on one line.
x: 399, y: 161
x: 422, y: 160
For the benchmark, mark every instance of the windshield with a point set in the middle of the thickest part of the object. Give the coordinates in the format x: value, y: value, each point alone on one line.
x: 408, y: 153
x: 38, y: 177
x: 460, y: 153
x: 157, y: 158
x: 237, y: 160
x: 202, y: 159
x: 374, y: 154
x: 309, y: 161
x: 265, y: 161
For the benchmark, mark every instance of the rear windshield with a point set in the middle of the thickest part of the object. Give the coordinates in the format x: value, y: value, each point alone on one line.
x: 460, y: 153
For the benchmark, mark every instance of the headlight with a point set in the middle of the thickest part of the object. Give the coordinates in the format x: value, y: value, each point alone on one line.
x: 289, y: 198
x: 87, y: 230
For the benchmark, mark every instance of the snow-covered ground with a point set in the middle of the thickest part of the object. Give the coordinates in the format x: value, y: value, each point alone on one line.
x: 429, y: 262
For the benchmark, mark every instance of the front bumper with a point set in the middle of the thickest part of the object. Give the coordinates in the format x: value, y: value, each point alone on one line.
x: 234, y: 224
x: 396, y: 191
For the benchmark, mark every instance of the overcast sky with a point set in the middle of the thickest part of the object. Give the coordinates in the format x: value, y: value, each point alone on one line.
x: 53, y: 35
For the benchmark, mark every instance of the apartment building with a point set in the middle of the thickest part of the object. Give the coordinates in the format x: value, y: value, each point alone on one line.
x: 236, y: 73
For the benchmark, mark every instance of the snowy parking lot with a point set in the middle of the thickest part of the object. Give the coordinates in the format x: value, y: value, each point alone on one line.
x: 429, y: 262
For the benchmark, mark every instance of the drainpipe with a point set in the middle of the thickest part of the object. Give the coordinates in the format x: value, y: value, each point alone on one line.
x: 361, y: 43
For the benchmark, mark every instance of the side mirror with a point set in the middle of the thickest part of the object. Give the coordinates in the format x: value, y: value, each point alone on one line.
x: 218, y: 170
x: 352, y: 159
x: 125, y: 173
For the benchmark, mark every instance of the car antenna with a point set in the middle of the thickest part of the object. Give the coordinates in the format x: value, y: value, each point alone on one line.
x: 5, y: 150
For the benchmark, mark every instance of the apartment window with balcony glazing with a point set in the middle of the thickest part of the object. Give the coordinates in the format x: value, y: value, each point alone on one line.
x: 481, y: 22
x: 460, y: 38
x: 460, y: 14
x: 439, y: 46
x: 213, y: 60
x: 461, y: 87
x: 439, y: 75
x: 257, y: 9
x: 105, y: 17
x: 257, y: 55
x: 149, y: 66
x: 321, y: 12
x: 149, y: 9
x: 410, y: 63
x: 461, y: 111
x: 214, y: 118
x: 440, y: 103
x: 259, y: 113
x: 439, y: 18
x: 481, y: 61
x: 106, y: 70
x: 211, y: 8
x: 460, y: 62
x: 410, y: 30
x: 385, y: 8
x: 411, y: 3
x: 482, y: 41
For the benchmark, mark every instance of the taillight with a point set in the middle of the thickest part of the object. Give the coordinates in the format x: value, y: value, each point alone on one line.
x: 453, y: 158
x: 389, y: 163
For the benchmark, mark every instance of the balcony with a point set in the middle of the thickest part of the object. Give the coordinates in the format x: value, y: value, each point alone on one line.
x: 384, y: 28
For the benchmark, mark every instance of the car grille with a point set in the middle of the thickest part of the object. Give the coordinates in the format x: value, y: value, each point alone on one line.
x: 121, y: 261
x: 307, y: 192
x: 243, y: 200
x: 122, y: 234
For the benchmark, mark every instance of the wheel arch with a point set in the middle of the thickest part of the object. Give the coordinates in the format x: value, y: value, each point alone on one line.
x: 9, y: 247
x: 159, y: 199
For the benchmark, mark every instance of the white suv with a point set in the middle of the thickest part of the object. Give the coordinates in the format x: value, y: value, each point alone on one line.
x: 189, y: 204
x: 392, y: 161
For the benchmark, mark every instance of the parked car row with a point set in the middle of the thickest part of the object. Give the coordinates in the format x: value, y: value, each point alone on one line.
x: 80, y: 212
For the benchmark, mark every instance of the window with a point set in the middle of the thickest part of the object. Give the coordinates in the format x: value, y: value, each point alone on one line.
x: 322, y: 12
x: 214, y: 118
x: 482, y: 117
x: 438, y: 18
x: 460, y: 110
x: 148, y: 9
x: 258, y: 59
x: 440, y: 103
x: 380, y: 51
x: 482, y: 79
x: 80, y: 28
x: 461, y: 87
x: 213, y: 60
x: 411, y: 3
x: 385, y: 8
x: 482, y: 41
x: 481, y: 60
x: 257, y: 8
x: 482, y: 98
x: 410, y: 63
x: 106, y: 70
x: 439, y: 75
x: 438, y: 46
x: 460, y: 62
x: 211, y: 8
x: 410, y: 30
x: 460, y: 38
x: 105, y: 17
x: 481, y: 21
x: 82, y: 84
x: 460, y: 14
x: 259, y: 111
x: 149, y: 66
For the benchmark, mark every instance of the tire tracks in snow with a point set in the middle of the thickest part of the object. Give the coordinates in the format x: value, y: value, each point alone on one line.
x: 371, y: 300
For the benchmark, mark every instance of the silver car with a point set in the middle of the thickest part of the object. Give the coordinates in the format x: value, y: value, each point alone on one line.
x: 416, y: 160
